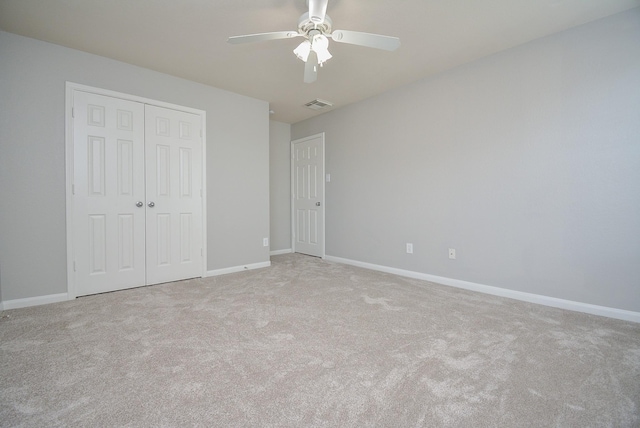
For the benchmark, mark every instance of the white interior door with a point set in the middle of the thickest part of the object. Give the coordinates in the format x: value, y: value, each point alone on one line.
x: 173, y: 146
x: 308, y: 195
x: 108, y: 193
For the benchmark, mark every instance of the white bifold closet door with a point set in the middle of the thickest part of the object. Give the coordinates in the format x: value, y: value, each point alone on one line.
x: 137, y: 194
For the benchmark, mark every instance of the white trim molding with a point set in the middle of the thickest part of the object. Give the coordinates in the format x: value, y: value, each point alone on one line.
x: 278, y: 252
x: 34, y: 301
x: 235, y: 269
x: 571, y: 305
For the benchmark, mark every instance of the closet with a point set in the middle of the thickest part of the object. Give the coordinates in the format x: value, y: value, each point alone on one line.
x: 136, y: 204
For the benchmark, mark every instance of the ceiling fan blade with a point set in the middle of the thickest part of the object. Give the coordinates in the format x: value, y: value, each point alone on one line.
x: 376, y: 41
x: 261, y: 37
x: 311, y: 68
x: 317, y: 10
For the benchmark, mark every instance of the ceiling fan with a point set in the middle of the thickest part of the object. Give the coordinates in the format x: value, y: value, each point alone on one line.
x: 316, y: 28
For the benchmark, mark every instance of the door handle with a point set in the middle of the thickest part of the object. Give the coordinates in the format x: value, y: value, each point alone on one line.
x: 151, y: 204
x: 139, y: 204
x: 317, y: 204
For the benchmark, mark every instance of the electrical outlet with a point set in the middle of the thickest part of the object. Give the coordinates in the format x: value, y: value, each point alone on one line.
x: 409, y: 248
x: 452, y: 253
x: 265, y: 242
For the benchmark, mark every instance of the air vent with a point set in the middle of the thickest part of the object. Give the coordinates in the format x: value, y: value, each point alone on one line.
x: 318, y: 104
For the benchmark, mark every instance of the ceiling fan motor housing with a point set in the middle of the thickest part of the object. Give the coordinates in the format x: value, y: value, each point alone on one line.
x: 306, y: 25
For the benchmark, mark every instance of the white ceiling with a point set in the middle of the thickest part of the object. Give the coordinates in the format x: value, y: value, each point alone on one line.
x: 187, y: 38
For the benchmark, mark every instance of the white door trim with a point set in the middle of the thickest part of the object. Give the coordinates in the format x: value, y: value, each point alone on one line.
x: 323, y: 204
x: 69, y: 88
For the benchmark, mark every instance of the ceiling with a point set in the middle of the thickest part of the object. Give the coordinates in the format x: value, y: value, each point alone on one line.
x: 187, y: 38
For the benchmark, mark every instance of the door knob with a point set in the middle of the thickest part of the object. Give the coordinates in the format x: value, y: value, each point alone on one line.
x: 317, y: 204
x: 139, y: 204
x: 151, y: 204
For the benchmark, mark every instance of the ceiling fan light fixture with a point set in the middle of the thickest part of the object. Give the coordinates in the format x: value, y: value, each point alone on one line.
x: 302, y: 51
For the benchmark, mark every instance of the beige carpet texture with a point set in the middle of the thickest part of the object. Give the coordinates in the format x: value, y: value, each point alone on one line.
x: 310, y: 343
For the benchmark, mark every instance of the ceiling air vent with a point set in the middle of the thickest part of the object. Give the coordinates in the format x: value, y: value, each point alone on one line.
x: 318, y: 104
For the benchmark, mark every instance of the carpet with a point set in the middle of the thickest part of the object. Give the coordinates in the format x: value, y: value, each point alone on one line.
x: 310, y: 343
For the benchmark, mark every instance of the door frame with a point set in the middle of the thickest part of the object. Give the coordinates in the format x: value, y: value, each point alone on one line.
x: 69, y: 166
x: 322, y: 197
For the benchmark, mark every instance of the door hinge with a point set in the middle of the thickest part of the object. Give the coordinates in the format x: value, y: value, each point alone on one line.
x: 200, y: 192
x: 201, y: 252
x: 73, y: 189
x: 74, y: 265
x: 73, y: 113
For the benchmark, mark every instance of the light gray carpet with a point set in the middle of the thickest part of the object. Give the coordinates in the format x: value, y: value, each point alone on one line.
x: 311, y: 343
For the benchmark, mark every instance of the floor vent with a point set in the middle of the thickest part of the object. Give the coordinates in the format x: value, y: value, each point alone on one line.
x: 318, y: 104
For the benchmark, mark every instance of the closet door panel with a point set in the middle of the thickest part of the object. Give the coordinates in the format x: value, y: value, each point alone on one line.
x: 174, y: 194
x: 108, y: 185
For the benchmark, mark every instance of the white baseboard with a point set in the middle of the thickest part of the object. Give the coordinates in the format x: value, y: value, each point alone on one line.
x: 278, y: 252
x: 34, y: 301
x: 54, y: 298
x: 571, y: 305
x: 234, y: 269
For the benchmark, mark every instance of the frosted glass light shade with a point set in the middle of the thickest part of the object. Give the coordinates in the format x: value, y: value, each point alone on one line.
x: 320, y: 46
x: 302, y: 51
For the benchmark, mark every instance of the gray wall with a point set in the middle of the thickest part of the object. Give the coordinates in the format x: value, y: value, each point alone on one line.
x: 526, y: 162
x: 32, y: 160
x: 279, y: 183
